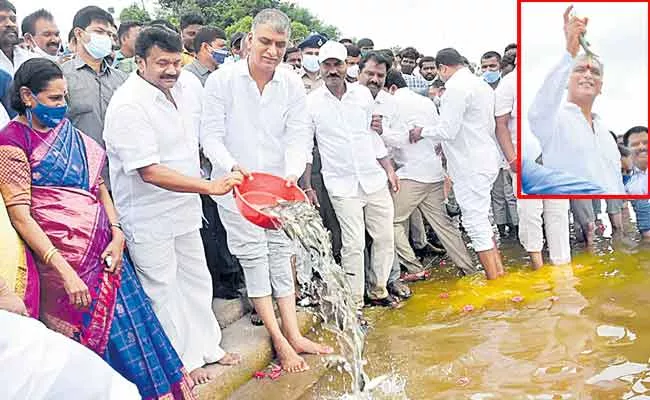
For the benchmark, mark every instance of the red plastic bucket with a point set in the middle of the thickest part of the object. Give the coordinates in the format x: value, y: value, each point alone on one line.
x: 263, y: 191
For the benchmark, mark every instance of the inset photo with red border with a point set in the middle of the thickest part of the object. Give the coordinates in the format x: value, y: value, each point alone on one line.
x: 582, y: 114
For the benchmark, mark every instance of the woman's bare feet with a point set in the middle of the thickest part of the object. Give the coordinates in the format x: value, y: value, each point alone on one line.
x: 304, y: 345
x: 230, y: 359
x: 289, y: 359
x: 200, y: 376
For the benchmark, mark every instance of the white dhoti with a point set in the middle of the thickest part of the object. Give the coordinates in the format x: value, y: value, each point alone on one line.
x: 175, y: 276
x: 38, y: 363
x: 473, y: 197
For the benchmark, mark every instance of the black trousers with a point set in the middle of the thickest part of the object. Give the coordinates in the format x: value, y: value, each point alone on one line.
x: 226, y: 272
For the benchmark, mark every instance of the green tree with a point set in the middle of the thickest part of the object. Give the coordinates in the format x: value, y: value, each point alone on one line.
x: 243, y: 25
x: 230, y: 14
x: 135, y: 13
x: 298, y: 32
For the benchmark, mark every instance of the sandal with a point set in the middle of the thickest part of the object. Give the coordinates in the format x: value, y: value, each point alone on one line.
x: 388, y: 301
x: 399, y: 289
x: 418, y: 276
x: 256, y: 319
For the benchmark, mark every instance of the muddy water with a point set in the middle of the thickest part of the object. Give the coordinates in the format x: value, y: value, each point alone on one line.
x: 575, y: 332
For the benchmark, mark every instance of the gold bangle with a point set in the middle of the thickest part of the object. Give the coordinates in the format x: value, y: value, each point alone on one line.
x: 49, y: 254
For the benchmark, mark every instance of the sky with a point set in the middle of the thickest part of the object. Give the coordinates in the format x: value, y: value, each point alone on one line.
x: 618, y: 33
x: 405, y: 23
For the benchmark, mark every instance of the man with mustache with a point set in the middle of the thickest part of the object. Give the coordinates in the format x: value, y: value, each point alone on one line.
x: 90, y: 77
x: 356, y: 168
x: 152, y: 144
x: 255, y: 118
x: 428, y: 70
x: 42, y: 35
x: 12, y: 55
x: 573, y: 139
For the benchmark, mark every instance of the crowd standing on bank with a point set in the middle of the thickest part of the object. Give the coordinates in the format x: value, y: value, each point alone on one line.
x: 118, y: 152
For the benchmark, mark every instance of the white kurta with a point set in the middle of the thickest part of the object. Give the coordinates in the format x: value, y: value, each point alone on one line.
x: 568, y: 143
x: 39, y: 364
x: 466, y: 128
x: 143, y: 128
x: 262, y: 132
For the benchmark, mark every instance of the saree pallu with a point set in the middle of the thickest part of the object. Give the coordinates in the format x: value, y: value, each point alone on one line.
x: 120, y: 325
x: 17, y: 266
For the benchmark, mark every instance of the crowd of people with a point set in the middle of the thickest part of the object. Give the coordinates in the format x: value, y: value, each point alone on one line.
x: 119, y: 150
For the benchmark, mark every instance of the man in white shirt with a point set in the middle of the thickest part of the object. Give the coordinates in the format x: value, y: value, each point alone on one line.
x: 152, y: 142
x: 11, y: 55
x: 573, y: 139
x: 42, y: 35
x: 255, y: 118
x: 355, y: 168
x: 466, y: 128
x: 419, y: 169
x: 556, y: 212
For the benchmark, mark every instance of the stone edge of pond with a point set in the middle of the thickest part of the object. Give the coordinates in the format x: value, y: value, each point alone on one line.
x: 253, y: 343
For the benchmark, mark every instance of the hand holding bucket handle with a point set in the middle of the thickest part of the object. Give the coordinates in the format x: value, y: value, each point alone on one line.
x: 225, y: 184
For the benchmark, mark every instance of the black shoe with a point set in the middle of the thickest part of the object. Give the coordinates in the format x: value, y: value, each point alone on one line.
x: 514, y: 232
x: 502, y: 231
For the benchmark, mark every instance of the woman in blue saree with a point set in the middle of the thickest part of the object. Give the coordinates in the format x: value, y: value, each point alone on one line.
x: 56, y: 200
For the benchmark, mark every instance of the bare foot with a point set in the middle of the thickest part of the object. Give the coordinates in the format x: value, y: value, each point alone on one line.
x: 200, y: 376
x: 289, y: 359
x: 230, y: 359
x: 304, y: 345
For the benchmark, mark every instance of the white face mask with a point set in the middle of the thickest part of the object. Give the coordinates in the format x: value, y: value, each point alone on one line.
x: 99, y: 46
x: 353, y: 71
x: 41, y: 53
x: 310, y: 63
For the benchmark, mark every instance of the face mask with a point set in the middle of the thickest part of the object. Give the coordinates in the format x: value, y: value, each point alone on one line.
x: 41, y: 53
x: 99, y: 46
x: 219, y: 56
x: 353, y: 71
x: 491, y: 76
x: 49, y: 116
x: 310, y: 62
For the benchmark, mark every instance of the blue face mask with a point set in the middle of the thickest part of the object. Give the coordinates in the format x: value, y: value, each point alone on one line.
x: 219, y: 56
x: 48, y: 116
x: 491, y: 76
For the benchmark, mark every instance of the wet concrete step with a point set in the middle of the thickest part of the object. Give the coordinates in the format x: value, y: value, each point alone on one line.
x: 290, y: 386
x: 253, y: 343
x: 287, y: 387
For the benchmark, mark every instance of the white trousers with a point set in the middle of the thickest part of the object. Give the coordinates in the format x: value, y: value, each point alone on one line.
x: 265, y: 255
x: 556, y: 225
x: 38, y: 363
x: 473, y: 195
x: 373, y: 213
x: 175, y: 276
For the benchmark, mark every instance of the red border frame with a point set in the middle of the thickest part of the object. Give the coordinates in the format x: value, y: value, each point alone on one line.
x: 520, y: 195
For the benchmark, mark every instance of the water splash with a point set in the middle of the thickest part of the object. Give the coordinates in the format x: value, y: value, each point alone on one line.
x: 336, y: 307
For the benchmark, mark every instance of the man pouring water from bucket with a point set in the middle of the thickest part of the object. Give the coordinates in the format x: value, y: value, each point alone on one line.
x: 255, y: 118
